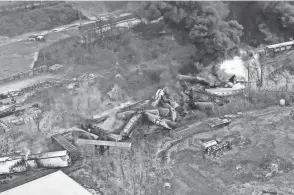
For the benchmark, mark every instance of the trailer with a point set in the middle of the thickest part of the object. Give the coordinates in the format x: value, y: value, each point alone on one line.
x: 104, y: 143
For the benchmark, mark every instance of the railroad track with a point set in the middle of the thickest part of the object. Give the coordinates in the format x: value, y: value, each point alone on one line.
x: 271, y: 112
x: 202, y: 127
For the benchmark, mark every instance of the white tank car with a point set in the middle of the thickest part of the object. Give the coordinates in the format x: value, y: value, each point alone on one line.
x: 16, y: 164
x: 55, y: 159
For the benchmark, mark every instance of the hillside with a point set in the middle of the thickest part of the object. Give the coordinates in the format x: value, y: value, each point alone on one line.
x: 16, y: 22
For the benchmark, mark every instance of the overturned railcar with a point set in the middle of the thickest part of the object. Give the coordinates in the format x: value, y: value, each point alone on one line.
x: 17, y: 164
x: 57, y: 159
x: 131, y: 125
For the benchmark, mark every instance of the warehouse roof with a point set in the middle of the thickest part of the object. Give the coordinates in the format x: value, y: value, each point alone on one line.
x: 54, y: 183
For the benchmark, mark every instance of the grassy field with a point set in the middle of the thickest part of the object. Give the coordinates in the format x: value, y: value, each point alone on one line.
x: 19, y: 56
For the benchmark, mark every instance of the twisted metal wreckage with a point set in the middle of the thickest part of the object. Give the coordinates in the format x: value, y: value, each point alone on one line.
x: 162, y: 111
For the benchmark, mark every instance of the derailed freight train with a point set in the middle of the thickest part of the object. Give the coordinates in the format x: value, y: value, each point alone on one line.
x: 17, y: 164
x: 131, y: 125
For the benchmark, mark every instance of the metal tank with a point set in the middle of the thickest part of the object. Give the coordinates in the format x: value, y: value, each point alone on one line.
x: 55, y: 159
x: 131, y: 125
x: 125, y: 115
x: 157, y: 120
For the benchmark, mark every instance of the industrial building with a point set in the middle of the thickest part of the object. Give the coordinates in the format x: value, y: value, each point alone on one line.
x: 54, y: 183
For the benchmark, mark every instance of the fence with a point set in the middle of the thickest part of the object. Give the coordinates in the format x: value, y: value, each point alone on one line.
x: 22, y: 75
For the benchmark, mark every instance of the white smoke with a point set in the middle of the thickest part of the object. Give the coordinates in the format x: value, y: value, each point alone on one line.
x: 235, y: 66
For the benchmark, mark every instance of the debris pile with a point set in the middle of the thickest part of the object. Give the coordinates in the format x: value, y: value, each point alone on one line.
x: 162, y: 110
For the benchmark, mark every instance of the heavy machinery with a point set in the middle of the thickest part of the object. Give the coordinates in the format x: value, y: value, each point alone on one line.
x: 217, y: 122
x: 215, y: 147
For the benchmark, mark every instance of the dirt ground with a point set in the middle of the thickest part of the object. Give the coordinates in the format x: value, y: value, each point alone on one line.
x: 262, y: 157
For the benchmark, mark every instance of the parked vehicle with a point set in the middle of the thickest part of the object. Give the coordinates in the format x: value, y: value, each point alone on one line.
x: 215, y: 147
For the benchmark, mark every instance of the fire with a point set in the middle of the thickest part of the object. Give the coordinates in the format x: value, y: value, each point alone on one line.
x: 235, y: 66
